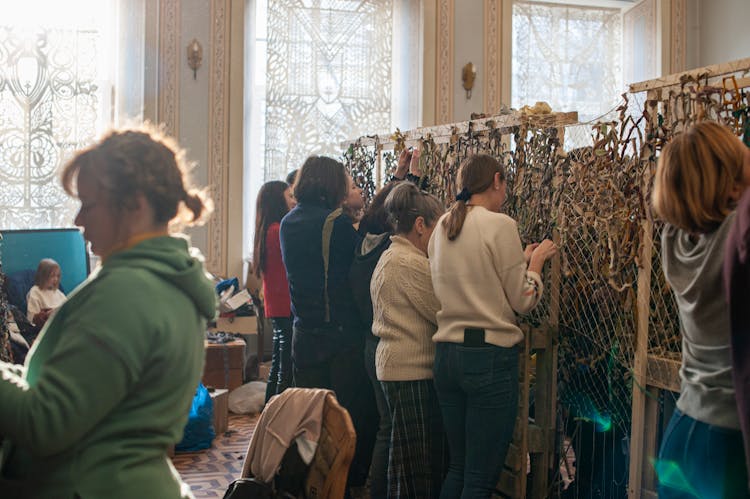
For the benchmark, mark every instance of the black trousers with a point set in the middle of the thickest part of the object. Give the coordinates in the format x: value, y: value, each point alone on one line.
x: 345, y: 374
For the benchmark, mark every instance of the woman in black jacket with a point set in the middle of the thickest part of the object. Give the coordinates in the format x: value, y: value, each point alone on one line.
x: 317, y: 245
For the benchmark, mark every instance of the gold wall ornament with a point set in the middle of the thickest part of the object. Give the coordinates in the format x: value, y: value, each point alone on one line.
x: 468, y: 75
x: 194, y: 56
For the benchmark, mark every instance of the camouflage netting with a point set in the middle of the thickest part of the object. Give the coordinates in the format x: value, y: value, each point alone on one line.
x: 588, y: 185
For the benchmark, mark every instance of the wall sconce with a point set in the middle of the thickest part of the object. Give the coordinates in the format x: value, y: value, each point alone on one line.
x: 468, y: 75
x: 194, y: 56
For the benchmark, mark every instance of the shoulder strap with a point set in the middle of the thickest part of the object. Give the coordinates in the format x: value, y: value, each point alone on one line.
x: 326, y: 242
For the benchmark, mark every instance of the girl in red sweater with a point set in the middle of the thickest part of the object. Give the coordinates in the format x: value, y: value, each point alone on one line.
x: 275, y: 199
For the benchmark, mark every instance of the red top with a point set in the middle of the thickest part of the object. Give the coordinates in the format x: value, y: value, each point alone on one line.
x: 275, y: 285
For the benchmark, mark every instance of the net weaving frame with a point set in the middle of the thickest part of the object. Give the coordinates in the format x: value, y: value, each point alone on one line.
x: 607, y: 310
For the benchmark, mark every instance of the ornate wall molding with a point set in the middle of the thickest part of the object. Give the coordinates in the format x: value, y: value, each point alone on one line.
x: 169, y: 65
x: 678, y: 42
x: 218, y: 135
x: 492, y: 51
x: 444, y: 68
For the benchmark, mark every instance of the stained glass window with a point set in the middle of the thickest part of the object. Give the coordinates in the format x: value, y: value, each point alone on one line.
x: 328, y: 77
x: 54, y: 99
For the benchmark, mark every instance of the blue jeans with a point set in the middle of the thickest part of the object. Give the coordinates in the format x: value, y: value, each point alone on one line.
x: 280, y: 376
x: 478, y: 392
x: 699, y: 460
x: 379, y: 466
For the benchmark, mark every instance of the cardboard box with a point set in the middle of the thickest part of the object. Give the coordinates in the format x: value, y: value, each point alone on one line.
x: 247, y: 327
x: 220, y: 398
x: 241, y: 325
x: 224, y: 364
x: 220, y: 379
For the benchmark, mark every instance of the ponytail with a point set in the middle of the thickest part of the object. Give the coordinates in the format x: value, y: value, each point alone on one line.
x: 454, y: 221
x: 198, y: 205
x: 475, y: 175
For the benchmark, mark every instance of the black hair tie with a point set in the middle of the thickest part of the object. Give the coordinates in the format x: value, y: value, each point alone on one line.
x: 464, y: 195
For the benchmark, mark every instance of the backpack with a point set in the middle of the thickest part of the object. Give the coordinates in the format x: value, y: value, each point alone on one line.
x: 289, y: 482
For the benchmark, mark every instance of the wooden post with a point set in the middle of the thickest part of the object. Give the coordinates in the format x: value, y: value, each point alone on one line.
x: 637, y: 437
x: 522, y: 420
x: 545, y: 400
x: 512, y: 480
x: 443, y: 133
x: 676, y: 79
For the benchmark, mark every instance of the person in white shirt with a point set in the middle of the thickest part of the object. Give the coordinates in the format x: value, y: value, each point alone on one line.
x: 482, y: 277
x: 45, y: 296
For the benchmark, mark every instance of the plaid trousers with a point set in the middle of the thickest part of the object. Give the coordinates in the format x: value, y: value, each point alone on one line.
x: 418, y: 456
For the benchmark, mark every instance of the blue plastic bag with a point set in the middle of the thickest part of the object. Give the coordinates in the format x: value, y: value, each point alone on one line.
x: 226, y: 284
x: 199, y: 431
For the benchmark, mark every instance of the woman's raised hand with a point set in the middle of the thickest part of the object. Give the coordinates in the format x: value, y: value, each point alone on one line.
x: 403, y: 164
x: 414, y: 163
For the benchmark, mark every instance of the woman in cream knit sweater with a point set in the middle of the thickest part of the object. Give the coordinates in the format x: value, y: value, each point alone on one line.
x: 482, y: 278
x: 404, y: 309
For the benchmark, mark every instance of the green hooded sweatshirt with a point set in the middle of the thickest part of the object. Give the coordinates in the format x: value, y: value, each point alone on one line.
x: 108, y: 384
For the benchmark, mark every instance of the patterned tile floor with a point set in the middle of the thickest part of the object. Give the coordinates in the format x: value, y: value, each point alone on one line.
x: 210, y: 472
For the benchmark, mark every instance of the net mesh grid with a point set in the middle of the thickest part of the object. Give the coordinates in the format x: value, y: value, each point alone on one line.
x: 589, y: 184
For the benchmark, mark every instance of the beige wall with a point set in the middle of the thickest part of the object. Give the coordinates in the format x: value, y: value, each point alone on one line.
x: 203, y: 111
x: 717, y: 31
x: 468, y: 26
x: 694, y: 33
x: 457, y: 32
x: 193, y: 97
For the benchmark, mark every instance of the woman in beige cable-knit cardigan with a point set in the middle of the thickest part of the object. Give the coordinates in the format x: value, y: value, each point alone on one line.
x: 404, y: 309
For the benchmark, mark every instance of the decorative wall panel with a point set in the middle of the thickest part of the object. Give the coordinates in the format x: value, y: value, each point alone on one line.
x: 492, y: 53
x: 679, y: 36
x: 169, y: 65
x: 218, y: 135
x: 445, y: 74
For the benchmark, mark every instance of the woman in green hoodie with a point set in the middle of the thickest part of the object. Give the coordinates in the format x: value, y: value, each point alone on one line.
x: 107, y: 386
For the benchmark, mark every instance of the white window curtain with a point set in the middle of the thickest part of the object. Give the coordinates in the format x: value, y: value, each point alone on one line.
x: 568, y: 56
x: 320, y: 72
x: 58, y: 70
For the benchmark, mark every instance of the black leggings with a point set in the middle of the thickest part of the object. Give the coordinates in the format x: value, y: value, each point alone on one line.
x: 345, y: 374
x: 280, y: 377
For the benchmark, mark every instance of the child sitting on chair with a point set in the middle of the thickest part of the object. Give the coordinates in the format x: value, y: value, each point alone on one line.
x: 45, y: 296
